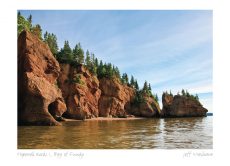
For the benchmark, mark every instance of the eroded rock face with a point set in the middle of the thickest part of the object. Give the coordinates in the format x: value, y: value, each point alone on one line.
x: 117, y: 101
x: 149, y: 108
x: 39, y: 98
x: 115, y: 98
x: 181, y: 106
x: 80, y: 90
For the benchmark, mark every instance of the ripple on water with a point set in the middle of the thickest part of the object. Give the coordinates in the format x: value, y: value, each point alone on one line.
x: 171, y: 133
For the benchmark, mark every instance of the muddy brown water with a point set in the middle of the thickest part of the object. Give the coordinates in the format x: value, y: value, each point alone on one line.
x: 169, y: 133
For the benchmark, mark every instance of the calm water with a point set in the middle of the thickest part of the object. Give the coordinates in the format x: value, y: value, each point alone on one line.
x: 121, y: 134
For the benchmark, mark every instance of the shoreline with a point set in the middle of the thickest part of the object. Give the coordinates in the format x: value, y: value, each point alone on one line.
x: 105, y: 119
x: 128, y: 118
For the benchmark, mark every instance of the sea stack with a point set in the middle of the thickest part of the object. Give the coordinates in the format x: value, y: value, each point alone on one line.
x: 181, y: 106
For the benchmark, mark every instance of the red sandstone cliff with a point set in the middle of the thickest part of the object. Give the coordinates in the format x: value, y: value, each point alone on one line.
x: 87, y: 97
x: 148, y: 108
x: 117, y: 101
x: 47, y: 90
x: 115, y: 98
x: 39, y: 99
x: 181, y: 106
x: 80, y: 90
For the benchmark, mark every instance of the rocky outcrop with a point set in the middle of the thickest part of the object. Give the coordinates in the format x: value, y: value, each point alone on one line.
x: 47, y: 90
x: 81, y: 91
x: 181, y: 106
x: 39, y: 98
x: 87, y: 97
x: 148, y: 108
x: 115, y: 98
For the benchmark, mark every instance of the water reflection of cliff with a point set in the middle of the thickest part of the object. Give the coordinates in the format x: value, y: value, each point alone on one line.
x: 183, y: 132
x: 168, y: 133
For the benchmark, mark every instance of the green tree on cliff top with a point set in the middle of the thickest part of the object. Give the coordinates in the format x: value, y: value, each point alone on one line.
x: 125, y: 79
x: 87, y: 59
x: 26, y: 24
x: 51, y: 40
x: 65, y: 54
x: 23, y: 24
x: 78, y: 54
x: 183, y: 92
x: 145, y: 88
x: 29, y: 19
x: 136, y: 85
x: 93, y: 64
x: 117, y: 72
x: 132, y: 81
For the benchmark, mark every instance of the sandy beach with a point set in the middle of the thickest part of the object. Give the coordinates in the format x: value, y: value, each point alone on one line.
x: 106, y: 119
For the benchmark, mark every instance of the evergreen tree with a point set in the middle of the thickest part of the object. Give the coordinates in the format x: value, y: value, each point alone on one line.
x: 170, y: 93
x: 87, y: 59
x: 96, y: 62
x: 23, y: 24
x: 132, y: 81
x: 75, y: 53
x: 113, y: 70
x: 149, y: 87
x: 101, y: 63
x: 117, y: 72
x: 156, y: 98
x: 91, y: 66
x: 149, y: 90
x: 67, y: 51
x: 26, y: 24
x: 99, y: 69
x: 93, y: 69
x: 29, y: 19
x: 136, y: 85
x: 51, y: 40
x: 187, y: 94
x: 81, y: 55
x: 145, y: 87
x: 78, y: 54
x: 60, y: 55
x: 92, y: 56
x: 45, y: 36
x: 183, y: 92
x: 66, y: 55
x: 125, y: 79
x: 103, y: 72
x: 109, y: 70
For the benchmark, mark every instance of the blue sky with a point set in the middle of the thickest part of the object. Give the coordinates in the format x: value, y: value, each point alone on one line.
x: 171, y: 49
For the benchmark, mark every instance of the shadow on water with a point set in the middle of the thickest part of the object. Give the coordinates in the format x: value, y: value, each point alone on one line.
x: 171, y: 133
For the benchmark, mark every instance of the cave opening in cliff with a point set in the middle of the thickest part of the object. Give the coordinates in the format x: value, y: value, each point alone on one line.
x: 52, y: 108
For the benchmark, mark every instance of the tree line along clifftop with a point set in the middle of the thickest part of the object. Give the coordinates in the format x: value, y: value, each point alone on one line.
x: 74, y: 84
x: 77, y: 56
